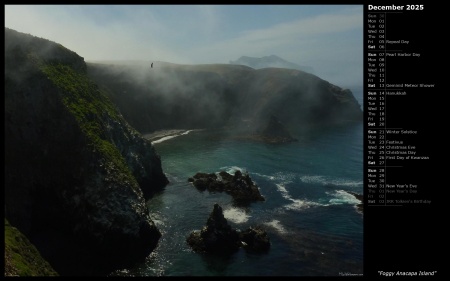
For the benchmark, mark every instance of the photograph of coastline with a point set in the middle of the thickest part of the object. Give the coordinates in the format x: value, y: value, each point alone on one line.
x: 183, y: 140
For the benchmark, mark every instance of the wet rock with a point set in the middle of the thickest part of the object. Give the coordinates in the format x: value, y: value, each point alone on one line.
x: 216, y: 237
x: 275, y: 132
x: 239, y: 186
x: 255, y: 239
x: 360, y: 197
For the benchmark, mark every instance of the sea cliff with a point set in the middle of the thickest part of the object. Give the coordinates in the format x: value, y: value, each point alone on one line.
x: 76, y: 174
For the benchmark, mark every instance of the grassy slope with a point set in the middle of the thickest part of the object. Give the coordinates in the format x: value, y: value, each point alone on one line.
x: 88, y: 105
x: 21, y: 257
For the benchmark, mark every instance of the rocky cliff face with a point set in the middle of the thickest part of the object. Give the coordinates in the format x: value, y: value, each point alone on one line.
x: 210, y: 96
x: 75, y: 172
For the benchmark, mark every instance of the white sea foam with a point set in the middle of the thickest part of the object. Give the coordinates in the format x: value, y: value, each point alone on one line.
x: 236, y: 215
x: 318, y: 179
x: 187, y: 132
x: 172, y: 136
x: 327, y: 181
x: 312, y: 179
x: 264, y: 176
x: 344, y: 182
x: 342, y: 197
x: 232, y: 169
x: 164, y: 139
x: 284, y: 177
x: 158, y: 219
x: 297, y: 204
x: 280, y: 176
x: 282, y: 189
x: 277, y: 225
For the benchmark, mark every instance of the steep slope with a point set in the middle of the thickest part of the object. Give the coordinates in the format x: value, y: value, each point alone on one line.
x: 209, y: 96
x: 75, y: 172
x: 21, y: 257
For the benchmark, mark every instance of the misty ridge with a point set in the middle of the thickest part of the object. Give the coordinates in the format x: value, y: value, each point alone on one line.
x: 243, y: 94
x: 175, y: 96
x: 270, y: 61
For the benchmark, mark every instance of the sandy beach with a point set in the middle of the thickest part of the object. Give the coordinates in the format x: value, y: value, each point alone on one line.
x: 162, y: 135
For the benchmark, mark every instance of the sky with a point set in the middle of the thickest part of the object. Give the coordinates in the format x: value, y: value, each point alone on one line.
x: 328, y: 38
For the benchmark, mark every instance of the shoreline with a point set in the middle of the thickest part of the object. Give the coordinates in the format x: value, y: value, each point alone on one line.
x: 162, y: 135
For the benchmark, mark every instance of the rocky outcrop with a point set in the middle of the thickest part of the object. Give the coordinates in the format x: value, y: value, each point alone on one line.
x: 218, y: 237
x: 255, y: 239
x: 75, y: 172
x: 139, y: 155
x: 275, y: 132
x: 239, y: 186
x: 360, y: 197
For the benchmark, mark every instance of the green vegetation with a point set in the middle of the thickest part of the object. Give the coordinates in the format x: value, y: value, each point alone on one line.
x: 21, y: 257
x: 91, y: 108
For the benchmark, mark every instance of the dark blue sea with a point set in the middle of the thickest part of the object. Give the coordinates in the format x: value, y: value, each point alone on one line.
x: 313, y: 223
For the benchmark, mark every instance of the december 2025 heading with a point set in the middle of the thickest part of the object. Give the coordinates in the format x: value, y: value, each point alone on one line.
x: 413, y: 7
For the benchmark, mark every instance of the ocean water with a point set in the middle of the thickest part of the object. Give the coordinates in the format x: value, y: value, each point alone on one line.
x: 313, y: 224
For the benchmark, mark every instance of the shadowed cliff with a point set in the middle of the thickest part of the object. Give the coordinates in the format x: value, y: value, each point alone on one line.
x: 76, y: 173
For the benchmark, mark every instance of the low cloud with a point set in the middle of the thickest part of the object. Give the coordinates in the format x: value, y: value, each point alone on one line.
x: 189, y: 34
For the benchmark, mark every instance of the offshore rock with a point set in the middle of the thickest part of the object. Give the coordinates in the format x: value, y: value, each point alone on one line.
x: 240, y: 186
x: 255, y: 239
x: 360, y: 197
x: 218, y: 237
x: 275, y: 132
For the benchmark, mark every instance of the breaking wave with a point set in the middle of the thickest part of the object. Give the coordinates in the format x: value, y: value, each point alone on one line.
x: 297, y: 204
x: 232, y: 169
x: 172, y: 136
x: 277, y: 225
x: 330, y: 181
x: 236, y: 215
x: 342, y: 197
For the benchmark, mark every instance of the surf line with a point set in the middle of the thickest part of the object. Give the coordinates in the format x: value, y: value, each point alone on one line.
x: 173, y: 136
